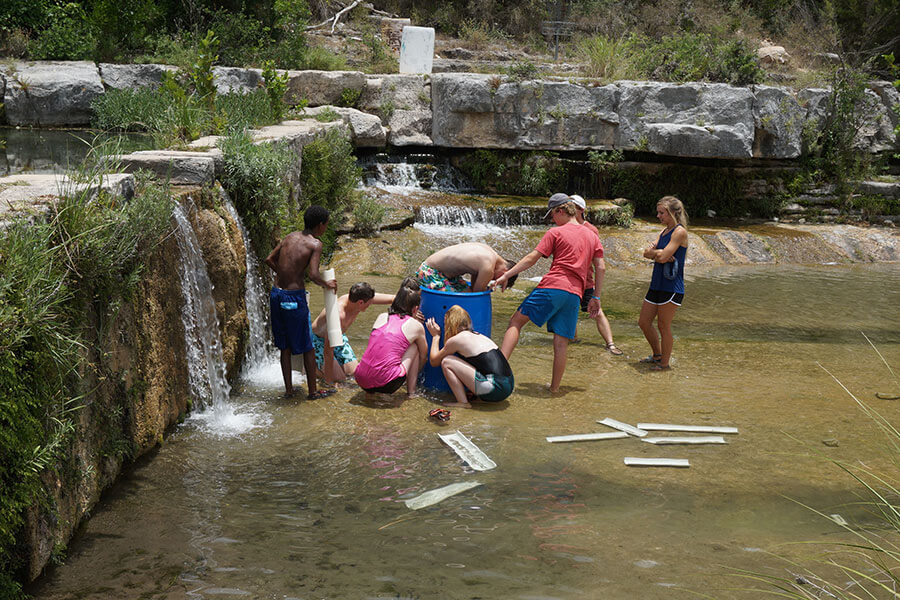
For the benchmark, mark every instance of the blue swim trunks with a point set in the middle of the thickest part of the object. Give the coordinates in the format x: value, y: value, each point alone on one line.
x: 291, y: 324
x: 557, y: 308
x: 343, y: 354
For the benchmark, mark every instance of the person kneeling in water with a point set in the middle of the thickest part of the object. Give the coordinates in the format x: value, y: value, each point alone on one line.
x: 396, y: 348
x: 469, y: 360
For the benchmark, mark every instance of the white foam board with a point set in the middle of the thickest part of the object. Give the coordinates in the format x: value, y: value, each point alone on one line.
x: 629, y: 429
x: 696, y: 439
x: 434, y: 496
x: 686, y: 428
x: 468, y: 451
x: 588, y: 437
x: 632, y: 461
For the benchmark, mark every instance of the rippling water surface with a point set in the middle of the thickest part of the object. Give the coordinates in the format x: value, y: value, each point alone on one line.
x: 310, y: 505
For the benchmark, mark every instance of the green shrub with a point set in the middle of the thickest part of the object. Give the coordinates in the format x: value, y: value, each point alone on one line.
x: 349, y: 97
x: 368, y: 214
x: 606, y: 58
x: 68, y: 37
x: 242, y: 111
x: 330, y: 173
x: 379, y: 57
x: 276, y: 86
x: 86, y: 258
x: 327, y: 115
x: 323, y: 59
x: 254, y: 177
x: 522, y: 71
x: 240, y: 36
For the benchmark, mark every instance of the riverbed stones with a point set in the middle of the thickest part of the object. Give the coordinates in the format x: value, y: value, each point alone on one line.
x: 50, y: 93
x: 132, y: 77
x: 323, y: 87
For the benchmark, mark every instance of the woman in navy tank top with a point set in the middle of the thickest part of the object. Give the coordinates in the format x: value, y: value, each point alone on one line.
x: 667, y: 283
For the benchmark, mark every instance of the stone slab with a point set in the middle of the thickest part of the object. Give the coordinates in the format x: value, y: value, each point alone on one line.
x: 50, y: 93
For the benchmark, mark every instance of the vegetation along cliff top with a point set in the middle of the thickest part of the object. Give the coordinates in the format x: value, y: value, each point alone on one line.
x: 794, y: 42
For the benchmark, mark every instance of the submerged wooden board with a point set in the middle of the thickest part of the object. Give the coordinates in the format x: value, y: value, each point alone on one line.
x: 468, y: 451
x: 434, y: 496
x: 629, y: 429
x: 697, y: 439
x: 632, y: 461
x: 686, y: 428
x: 587, y: 437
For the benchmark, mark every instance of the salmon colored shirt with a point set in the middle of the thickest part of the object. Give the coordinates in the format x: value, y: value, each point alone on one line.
x: 573, y: 248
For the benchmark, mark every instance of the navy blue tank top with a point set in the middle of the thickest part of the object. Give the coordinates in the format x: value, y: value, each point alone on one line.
x: 659, y: 281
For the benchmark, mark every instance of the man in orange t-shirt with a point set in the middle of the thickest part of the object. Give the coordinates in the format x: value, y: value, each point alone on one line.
x: 557, y: 298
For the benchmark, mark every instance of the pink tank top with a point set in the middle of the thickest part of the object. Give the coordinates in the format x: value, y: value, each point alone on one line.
x: 380, y: 363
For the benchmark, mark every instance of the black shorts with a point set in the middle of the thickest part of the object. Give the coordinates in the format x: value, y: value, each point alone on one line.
x: 586, y: 298
x: 660, y: 297
x: 390, y: 387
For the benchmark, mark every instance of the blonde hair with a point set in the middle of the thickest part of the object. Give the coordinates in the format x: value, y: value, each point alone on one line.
x: 456, y: 319
x: 569, y: 208
x: 675, y: 208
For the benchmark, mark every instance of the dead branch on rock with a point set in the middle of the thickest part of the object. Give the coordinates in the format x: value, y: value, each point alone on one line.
x: 334, y: 20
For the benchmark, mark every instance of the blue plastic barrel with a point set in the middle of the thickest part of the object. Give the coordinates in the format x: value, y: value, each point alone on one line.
x: 433, y: 305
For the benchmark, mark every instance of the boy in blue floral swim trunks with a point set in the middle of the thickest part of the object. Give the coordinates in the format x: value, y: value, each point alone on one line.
x: 344, y: 361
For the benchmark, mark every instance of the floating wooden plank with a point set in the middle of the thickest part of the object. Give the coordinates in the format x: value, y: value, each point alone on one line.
x: 588, y: 437
x: 629, y: 429
x: 434, y: 496
x: 632, y: 461
x: 468, y: 451
x: 686, y: 428
x: 696, y: 439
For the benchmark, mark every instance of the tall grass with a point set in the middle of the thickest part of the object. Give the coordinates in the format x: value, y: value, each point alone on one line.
x: 84, y: 259
x: 677, y: 57
x: 869, y: 564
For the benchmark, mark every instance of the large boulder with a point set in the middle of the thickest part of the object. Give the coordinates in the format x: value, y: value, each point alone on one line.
x: 404, y: 103
x: 323, y: 87
x: 235, y: 80
x: 486, y: 111
x: 876, y: 129
x: 121, y: 77
x: 366, y: 131
x: 177, y: 167
x: 50, y: 93
x: 702, y: 120
x: 778, y: 120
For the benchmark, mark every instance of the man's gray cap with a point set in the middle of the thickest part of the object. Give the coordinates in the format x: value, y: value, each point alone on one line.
x: 554, y: 201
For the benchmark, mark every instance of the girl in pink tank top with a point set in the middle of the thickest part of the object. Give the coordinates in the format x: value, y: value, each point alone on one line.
x: 391, y: 356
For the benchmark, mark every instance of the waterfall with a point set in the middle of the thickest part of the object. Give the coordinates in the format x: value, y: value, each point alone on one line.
x: 259, y: 348
x: 414, y: 172
x: 203, y: 341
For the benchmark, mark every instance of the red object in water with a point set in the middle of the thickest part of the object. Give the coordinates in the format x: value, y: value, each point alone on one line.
x: 441, y: 414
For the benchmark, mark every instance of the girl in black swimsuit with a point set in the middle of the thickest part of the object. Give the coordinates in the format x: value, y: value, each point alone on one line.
x: 469, y: 360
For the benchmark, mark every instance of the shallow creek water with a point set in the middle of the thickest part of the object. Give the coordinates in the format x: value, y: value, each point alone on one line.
x: 309, y: 502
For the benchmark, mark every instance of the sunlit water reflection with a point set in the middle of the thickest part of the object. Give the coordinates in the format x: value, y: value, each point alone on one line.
x: 311, y: 504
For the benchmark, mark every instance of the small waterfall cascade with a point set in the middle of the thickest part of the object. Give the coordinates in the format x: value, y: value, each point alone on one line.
x: 259, y: 348
x: 206, y: 365
x: 412, y: 172
x: 467, y: 216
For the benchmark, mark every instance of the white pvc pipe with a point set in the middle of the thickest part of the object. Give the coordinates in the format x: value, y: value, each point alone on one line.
x: 332, y: 316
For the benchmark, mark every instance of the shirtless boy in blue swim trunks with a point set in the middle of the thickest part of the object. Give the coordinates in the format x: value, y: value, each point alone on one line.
x: 344, y: 361
x: 296, y: 254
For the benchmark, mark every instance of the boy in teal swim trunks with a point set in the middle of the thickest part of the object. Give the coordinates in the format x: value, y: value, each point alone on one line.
x: 444, y: 270
x: 344, y: 361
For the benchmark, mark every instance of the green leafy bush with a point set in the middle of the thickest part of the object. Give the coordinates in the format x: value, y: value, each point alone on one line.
x: 254, y: 177
x: 368, y: 214
x: 276, y: 86
x: 87, y: 255
x: 327, y: 115
x: 69, y: 36
x: 330, y: 173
